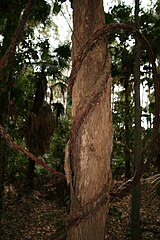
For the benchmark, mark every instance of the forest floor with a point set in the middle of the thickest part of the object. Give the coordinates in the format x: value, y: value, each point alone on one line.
x: 42, y: 214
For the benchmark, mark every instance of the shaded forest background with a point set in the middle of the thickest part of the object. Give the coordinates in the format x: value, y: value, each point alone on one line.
x: 35, y: 109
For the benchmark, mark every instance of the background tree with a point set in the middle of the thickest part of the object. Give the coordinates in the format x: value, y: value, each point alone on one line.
x: 137, y: 161
x: 122, y: 90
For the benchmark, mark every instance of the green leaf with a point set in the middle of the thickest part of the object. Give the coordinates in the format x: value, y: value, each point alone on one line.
x: 64, y: 51
x: 56, y: 8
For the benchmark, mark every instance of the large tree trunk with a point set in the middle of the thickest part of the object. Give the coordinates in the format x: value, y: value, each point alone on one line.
x: 91, y: 137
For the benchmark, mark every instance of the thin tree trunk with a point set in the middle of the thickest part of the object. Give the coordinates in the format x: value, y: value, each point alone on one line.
x: 127, y: 140
x: 136, y: 192
x: 126, y: 70
x: 2, y: 171
x: 91, y: 135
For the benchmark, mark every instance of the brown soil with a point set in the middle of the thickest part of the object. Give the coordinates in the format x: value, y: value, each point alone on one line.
x: 119, y: 221
x: 42, y: 214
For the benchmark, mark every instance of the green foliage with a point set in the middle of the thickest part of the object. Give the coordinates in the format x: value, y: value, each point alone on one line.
x: 118, y: 13
x: 63, y: 54
x: 44, y: 46
x: 56, y: 8
x: 40, y: 12
x: 56, y: 152
x: 122, y: 52
x: 64, y: 51
x: 33, y: 55
x: 22, y: 91
x: 15, y: 167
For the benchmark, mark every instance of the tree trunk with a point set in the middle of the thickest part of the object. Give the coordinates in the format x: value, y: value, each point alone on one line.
x: 40, y: 92
x: 127, y: 139
x: 91, y: 134
x: 126, y: 72
x: 136, y: 192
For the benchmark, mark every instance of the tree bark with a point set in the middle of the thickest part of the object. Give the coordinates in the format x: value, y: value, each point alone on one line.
x: 136, y: 191
x: 127, y: 155
x: 127, y: 140
x: 91, y: 134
